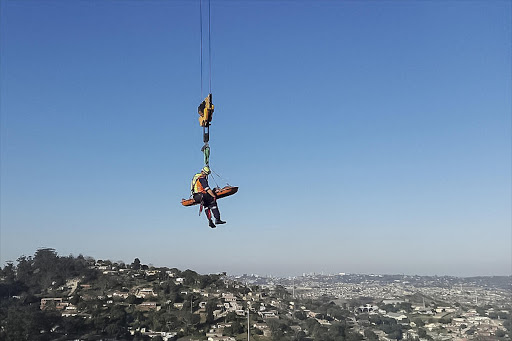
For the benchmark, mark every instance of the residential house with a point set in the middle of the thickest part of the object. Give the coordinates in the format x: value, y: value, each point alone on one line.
x: 151, y: 272
x: 221, y: 338
x: 215, y: 332
x: 324, y: 322
x: 367, y: 308
x: 70, y: 310
x: 224, y: 325
x: 147, y: 306
x: 392, y: 301
x: 396, y: 316
x: 445, y: 310
x: 51, y: 302
x: 268, y: 314
x: 228, y: 297
x: 145, y: 292
x: 264, y: 328
x: 119, y: 294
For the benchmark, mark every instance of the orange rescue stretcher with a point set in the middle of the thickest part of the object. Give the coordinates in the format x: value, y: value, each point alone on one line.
x: 219, y: 192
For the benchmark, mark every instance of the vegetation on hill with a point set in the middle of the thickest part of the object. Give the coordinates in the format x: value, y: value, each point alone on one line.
x: 51, y: 297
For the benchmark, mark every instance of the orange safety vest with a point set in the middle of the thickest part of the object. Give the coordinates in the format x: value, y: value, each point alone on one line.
x: 196, y: 186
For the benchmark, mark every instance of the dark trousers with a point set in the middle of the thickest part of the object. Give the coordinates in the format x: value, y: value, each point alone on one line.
x: 209, y: 203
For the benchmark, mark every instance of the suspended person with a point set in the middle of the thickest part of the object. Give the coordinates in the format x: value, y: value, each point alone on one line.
x: 204, y: 195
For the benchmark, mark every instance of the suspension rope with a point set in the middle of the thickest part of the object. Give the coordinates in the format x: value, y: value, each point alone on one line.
x: 213, y: 178
x: 209, y: 46
x: 213, y: 172
x: 201, y: 44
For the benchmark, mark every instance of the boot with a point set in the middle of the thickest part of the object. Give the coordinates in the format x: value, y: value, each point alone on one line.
x: 218, y: 221
x: 212, y: 225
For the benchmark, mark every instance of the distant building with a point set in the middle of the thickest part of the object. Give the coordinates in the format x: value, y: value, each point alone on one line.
x: 147, y: 306
x: 367, y: 308
x: 146, y: 292
x: 55, y: 302
x: 396, y: 316
x: 392, y: 301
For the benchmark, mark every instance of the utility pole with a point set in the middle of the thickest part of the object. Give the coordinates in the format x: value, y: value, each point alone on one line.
x: 293, y: 288
x: 248, y: 325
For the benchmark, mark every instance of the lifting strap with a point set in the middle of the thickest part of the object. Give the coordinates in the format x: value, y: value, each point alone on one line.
x: 206, y: 152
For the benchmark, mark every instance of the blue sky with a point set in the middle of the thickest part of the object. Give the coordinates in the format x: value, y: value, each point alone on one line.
x: 365, y: 136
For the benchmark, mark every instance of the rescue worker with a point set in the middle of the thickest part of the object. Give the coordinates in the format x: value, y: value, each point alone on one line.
x: 204, y: 195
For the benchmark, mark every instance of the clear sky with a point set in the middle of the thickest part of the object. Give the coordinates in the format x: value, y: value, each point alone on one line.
x: 365, y: 136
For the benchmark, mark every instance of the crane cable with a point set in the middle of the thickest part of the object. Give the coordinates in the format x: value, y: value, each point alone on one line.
x: 209, y: 49
x: 201, y: 45
x: 206, y: 129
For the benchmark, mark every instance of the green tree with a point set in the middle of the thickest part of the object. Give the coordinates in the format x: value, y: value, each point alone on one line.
x: 24, y: 270
x: 136, y: 264
x: 28, y: 323
x: 132, y: 299
x: 320, y: 333
x: 507, y: 325
x: 337, y: 330
x: 75, y: 299
x: 299, y: 336
x: 190, y: 319
x: 235, y: 329
x: 278, y: 328
x: 189, y: 277
x: 311, y: 324
x: 354, y: 337
x: 481, y: 311
x: 500, y: 333
x: 210, y: 308
x: 419, y: 322
x: 396, y: 334
x: 300, y: 315
x: 422, y: 333
x: 405, y: 306
x: 281, y: 292
x: 8, y: 272
x: 370, y: 335
x: 375, y: 319
x: 46, y: 263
